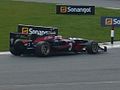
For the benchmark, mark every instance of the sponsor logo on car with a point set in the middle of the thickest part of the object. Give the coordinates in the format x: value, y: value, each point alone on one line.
x: 110, y: 21
x: 39, y: 32
x: 70, y: 9
x: 25, y: 30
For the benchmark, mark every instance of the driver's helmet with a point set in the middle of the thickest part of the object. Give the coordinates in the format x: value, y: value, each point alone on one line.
x: 59, y: 37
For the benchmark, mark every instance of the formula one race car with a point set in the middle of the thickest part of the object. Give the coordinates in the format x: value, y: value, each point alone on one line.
x: 43, y: 41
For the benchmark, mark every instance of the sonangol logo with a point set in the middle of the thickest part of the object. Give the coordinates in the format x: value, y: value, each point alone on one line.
x: 25, y: 30
x: 75, y: 9
x: 108, y: 21
x: 63, y: 9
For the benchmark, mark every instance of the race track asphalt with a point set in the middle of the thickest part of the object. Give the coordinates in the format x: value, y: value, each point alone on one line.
x: 61, y: 72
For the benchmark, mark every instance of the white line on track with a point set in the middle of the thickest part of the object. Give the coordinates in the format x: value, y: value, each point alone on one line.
x: 113, y: 46
x: 4, y: 53
x: 112, y: 8
x: 65, y: 83
x: 110, y: 46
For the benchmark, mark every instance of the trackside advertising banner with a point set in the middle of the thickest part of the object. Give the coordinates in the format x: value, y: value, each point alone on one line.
x: 75, y: 10
x: 110, y: 21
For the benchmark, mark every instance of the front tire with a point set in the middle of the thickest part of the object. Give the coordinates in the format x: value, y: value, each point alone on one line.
x: 92, y: 47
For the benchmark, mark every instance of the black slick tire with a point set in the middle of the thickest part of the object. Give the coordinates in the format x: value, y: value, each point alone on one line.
x: 92, y: 47
x: 18, y: 48
x: 42, y: 49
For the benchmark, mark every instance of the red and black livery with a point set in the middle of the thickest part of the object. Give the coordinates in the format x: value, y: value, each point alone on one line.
x: 43, y: 41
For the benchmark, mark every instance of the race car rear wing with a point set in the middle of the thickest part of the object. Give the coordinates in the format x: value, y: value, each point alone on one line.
x: 25, y: 30
x: 39, y: 30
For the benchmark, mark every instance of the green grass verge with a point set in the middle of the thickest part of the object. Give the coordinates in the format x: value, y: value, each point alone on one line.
x: 12, y: 13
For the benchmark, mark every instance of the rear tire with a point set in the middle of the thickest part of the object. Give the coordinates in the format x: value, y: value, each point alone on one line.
x: 92, y: 47
x: 18, y: 48
x: 42, y: 49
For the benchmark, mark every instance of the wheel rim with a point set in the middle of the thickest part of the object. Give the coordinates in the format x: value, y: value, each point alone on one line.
x: 45, y: 49
x: 95, y: 47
